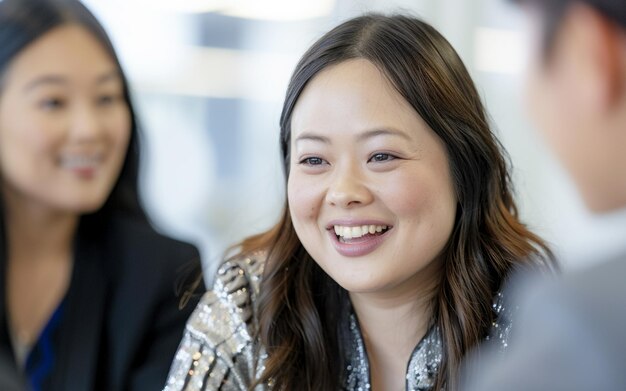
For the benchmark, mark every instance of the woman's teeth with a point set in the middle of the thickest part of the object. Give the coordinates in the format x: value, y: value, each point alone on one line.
x: 79, y: 161
x: 356, y: 232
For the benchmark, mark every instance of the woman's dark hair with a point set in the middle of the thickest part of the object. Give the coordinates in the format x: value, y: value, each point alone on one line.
x: 301, y: 308
x: 24, y: 21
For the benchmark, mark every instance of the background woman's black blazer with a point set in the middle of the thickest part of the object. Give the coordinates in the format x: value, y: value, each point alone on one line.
x: 122, y: 322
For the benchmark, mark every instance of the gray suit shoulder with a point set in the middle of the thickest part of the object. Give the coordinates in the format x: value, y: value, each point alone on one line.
x: 569, y: 335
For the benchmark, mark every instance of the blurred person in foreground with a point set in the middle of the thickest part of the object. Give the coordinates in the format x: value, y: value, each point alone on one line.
x: 398, y: 230
x: 570, y: 334
x: 87, y: 298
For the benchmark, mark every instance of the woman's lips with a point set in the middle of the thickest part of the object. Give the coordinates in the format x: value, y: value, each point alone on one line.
x: 84, y: 166
x: 359, y: 246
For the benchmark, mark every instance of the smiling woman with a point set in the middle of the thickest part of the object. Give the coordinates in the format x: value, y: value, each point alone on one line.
x: 64, y: 124
x: 398, y: 233
x: 78, y: 308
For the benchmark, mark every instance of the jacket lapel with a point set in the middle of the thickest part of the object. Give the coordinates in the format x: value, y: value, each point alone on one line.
x: 82, y: 327
x: 5, y: 340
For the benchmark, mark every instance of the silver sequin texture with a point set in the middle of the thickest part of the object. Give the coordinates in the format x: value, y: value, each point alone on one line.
x: 218, y: 352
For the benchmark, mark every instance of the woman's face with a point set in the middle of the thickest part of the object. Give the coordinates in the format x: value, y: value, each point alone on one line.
x: 64, y: 123
x: 369, y: 189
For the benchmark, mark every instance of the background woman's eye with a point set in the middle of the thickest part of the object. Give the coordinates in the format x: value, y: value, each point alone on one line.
x: 381, y: 157
x: 104, y: 100
x: 312, y: 161
x: 52, y: 103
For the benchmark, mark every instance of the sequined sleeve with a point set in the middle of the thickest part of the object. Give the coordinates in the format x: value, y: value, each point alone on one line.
x: 501, y: 327
x: 217, y: 350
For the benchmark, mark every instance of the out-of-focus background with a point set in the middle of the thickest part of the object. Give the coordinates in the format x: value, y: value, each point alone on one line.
x: 209, y: 76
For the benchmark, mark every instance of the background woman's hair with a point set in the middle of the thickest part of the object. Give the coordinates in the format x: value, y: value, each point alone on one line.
x: 301, y: 308
x: 24, y: 21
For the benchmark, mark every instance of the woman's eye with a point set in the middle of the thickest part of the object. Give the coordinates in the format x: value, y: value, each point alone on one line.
x: 52, y: 104
x: 312, y: 161
x: 104, y: 100
x: 381, y: 157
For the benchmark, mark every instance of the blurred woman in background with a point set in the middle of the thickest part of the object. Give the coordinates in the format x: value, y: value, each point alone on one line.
x: 398, y: 232
x: 88, y: 295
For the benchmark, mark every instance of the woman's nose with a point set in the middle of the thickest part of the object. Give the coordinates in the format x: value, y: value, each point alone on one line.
x: 86, y: 123
x: 348, y: 189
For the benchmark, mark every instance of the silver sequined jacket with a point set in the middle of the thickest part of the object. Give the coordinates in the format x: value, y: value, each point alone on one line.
x: 218, y: 350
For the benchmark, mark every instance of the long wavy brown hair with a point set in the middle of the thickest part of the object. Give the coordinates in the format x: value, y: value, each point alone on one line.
x: 301, y: 309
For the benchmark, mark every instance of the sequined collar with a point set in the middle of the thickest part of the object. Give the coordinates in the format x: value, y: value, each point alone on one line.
x: 421, y: 371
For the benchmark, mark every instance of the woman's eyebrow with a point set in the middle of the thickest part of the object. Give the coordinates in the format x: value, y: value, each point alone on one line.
x: 112, y: 75
x: 61, y: 80
x: 46, y: 79
x: 311, y: 136
x: 382, y: 132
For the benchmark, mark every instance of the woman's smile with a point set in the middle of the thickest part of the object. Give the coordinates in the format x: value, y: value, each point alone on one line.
x: 357, y: 238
